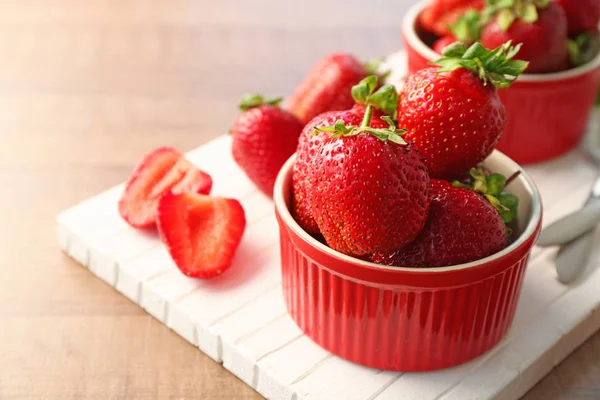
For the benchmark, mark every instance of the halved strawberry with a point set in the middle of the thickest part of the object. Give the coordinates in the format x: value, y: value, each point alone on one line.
x: 201, y: 232
x: 163, y: 170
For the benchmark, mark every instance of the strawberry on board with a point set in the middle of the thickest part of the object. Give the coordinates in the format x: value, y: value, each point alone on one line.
x: 539, y: 25
x: 467, y: 222
x: 311, y: 139
x: 163, y: 170
x: 370, y: 189
x: 327, y: 86
x: 582, y: 15
x: 452, y: 112
x: 264, y: 137
x: 440, y: 15
x: 202, y: 233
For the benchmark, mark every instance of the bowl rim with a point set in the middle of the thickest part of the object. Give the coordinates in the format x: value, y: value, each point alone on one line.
x: 411, y: 37
x: 530, y: 230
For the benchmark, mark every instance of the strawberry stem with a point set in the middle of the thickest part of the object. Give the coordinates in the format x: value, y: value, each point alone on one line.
x: 366, y: 122
x: 512, y: 178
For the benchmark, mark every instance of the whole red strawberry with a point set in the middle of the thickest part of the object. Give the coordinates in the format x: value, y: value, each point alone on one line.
x: 440, y: 15
x: 264, y: 137
x: 327, y: 86
x: 462, y: 226
x: 539, y: 25
x: 453, y: 114
x: 582, y: 15
x: 311, y: 139
x: 370, y: 189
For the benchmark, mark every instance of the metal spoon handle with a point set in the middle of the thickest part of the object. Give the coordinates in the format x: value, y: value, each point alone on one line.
x: 573, y: 257
x: 572, y: 226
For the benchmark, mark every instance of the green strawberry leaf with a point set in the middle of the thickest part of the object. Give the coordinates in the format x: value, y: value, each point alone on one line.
x: 364, y: 89
x: 252, y: 100
x: 510, y: 206
x: 492, y: 188
x: 468, y: 27
x: 384, y: 99
x: 391, y: 134
x: 529, y: 13
x: 491, y: 66
x: 583, y: 48
x: 495, y: 183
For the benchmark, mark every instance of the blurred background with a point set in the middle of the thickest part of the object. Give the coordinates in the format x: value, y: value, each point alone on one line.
x: 87, y: 87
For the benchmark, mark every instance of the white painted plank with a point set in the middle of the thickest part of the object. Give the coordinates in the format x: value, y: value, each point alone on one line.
x: 338, y: 379
x: 140, y: 269
x: 245, y: 321
x: 242, y: 356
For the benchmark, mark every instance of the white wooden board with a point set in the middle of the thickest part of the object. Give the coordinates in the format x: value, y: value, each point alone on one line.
x: 239, y: 318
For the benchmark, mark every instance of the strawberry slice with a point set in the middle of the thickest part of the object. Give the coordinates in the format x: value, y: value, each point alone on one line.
x: 163, y: 170
x: 201, y: 232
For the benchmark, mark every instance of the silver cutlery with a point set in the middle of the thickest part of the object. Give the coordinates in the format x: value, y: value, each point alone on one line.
x: 576, y: 232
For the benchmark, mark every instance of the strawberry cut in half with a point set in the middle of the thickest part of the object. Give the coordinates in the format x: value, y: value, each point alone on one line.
x: 163, y: 170
x: 202, y: 233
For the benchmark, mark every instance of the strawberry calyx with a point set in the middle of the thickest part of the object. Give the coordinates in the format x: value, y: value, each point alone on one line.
x: 508, y: 11
x: 252, y: 100
x: 491, y: 66
x: 340, y: 129
x: 492, y: 187
x: 468, y: 27
x: 583, y: 48
x: 384, y: 99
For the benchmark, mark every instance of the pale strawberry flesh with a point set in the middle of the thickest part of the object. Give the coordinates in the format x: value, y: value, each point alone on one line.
x: 161, y: 171
x: 462, y: 227
x: 202, y: 233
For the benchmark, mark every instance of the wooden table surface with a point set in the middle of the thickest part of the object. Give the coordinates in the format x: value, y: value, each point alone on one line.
x: 86, y: 87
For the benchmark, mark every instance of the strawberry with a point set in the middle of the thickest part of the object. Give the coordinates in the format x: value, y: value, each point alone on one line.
x: 163, y: 170
x: 465, y: 223
x: 453, y: 114
x: 327, y: 86
x: 309, y: 142
x: 370, y: 189
x: 441, y: 14
x: 582, y: 15
x: 583, y: 48
x: 442, y: 43
x: 264, y: 137
x: 201, y: 232
x: 539, y: 25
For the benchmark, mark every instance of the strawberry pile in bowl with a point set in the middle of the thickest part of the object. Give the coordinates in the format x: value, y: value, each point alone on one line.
x: 404, y: 249
x: 549, y: 104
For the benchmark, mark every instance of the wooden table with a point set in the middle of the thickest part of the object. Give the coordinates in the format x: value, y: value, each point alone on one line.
x: 86, y: 87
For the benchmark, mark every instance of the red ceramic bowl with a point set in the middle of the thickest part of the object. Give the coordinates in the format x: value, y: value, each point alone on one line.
x: 404, y: 319
x: 547, y: 114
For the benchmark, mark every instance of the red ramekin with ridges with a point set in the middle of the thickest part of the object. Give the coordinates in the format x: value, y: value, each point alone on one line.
x: 547, y: 114
x: 404, y: 319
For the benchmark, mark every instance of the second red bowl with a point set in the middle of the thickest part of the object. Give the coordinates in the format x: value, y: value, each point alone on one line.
x: 547, y: 114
